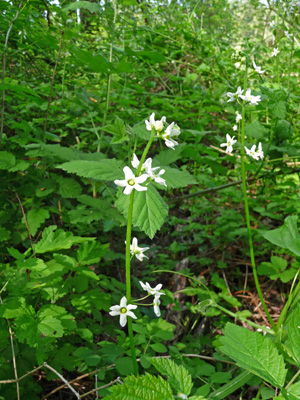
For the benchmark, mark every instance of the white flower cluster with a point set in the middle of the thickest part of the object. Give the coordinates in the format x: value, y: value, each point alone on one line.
x: 248, y: 97
x: 167, y: 134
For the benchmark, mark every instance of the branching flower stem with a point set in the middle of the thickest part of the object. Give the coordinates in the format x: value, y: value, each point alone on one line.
x: 128, y: 257
x: 247, y: 213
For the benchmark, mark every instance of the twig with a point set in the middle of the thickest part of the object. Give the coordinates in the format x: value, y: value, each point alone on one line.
x: 13, y: 355
x: 118, y: 380
x: 52, y: 81
x: 3, y: 69
x: 63, y: 379
x: 23, y: 376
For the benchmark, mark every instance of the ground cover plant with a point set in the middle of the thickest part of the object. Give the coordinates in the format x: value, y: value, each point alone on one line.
x: 149, y: 212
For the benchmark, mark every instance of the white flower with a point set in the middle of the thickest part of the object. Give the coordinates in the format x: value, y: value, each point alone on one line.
x: 131, y: 181
x: 257, y: 69
x: 137, y: 251
x: 136, y: 162
x: 155, y: 291
x: 156, y: 304
x: 238, y: 117
x: 172, y: 130
x: 264, y: 3
x: 259, y: 151
x: 156, y: 125
x: 229, y: 143
x: 152, y: 173
x: 237, y: 65
x: 273, y: 24
x: 249, y: 97
x: 288, y: 35
x: 233, y: 96
x: 275, y: 52
x: 252, y: 153
x: 123, y: 310
x: 234, y: 128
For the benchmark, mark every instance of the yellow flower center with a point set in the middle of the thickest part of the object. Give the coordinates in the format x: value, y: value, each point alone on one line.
x: 123, y: 310
x: 131, y: 182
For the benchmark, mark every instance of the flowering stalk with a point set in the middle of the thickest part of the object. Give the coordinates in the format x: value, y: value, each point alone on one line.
x: 247, y: 214
x: 128, y: 256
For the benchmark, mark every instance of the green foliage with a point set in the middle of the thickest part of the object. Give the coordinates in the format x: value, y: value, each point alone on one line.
x: 102, y: 170
x: 255, y: 353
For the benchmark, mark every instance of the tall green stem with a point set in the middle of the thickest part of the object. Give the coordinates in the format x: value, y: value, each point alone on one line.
x: 128, y: 258
x: 247, y: 213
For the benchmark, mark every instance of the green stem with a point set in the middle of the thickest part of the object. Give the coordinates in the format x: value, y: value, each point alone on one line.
x: 247, y: 213
x: 292, y: 296
x: 145, y: 153
x: 292, y: 380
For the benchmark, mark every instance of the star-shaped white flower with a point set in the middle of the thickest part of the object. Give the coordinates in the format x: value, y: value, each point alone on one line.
x: 275, y: 52
x: 131, y: 181
x: 238, y: 117
x: 123, y: 310
x: 257, y: 68
x: 249, y: 97
x: 137, y: 251
x: 171, y: 131
x: 136, y: 162
x: 229, y: 143
x: 156, y: 304
x: 234, y: 128
x: 252, y: 153
x: 152, y: 173
x: 154, y: 291
x: 234, y: 96
x: 158, y: 125
x: 259, y: 151
x: 237, y: 65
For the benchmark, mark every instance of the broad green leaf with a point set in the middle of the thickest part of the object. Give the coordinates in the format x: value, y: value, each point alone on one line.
x: 68, y: 187
x: 149, y: 210
x: 93, y: 62
x: 255, y: 353
x: 178, y: 377
x: 62, y: 153
x: 90, y: 300
x: 176, y: 178
x: 255, y: 130
x: 53, y: 240
x: 278, y: 109
x: 91, y: 252
x: 145, y: 387
x: 159, y: 347
x: 287, y: 236
x: 7, y: 160
x: 118, y: 130
x: 124, y: 366
x: 103, y: 170
x: 84, y: 5
x: 293, y: 342
x: 35, y: 218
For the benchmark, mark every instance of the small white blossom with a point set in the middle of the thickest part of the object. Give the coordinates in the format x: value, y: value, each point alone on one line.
x: 238, y: 117
x: 156, y: 304
x: 136, y: 162
x: 171, y: 131
x: 273, y: 24
x: 137, y: 251
x: 131, y: 181
x: 229, y: 143
x: 158, y: 126
x: 259, y: 151
x: 275, y: 52
x: 153, y: 174
x: 288, y: 35
x: 237, y: 65
x: 234, y: 96
x: 264, y: 3
x: 234, y: 128
x: 249, y: 97
x: 154, y: 291
x: 123, y: 310
x: 257, y: 69
x: 252, y: 153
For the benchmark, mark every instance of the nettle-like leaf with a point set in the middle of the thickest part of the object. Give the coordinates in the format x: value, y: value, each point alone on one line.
x: 149, y: 210
x: 178, y: 377
x: 118, y: 130
x: 53, y: 240
x: 255, y: 353
x: 35, y: 218
x: 84, y: 5
x: 103, y: 170
x: 287, y: 236
x: 145, y: 387
x: 175, y: 178
x: 7, y: 160
x: 293, y: 342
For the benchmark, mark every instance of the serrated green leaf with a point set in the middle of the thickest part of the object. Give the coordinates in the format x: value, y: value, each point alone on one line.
x: 93, y: 62
x: 255, y: 130
x: 92, y: 299
x: 91, y: 252
x: 176, y: 178
x: 103, y: 170
x: 84, y: 5
x: 255, y: 353
x: 178, y: 377
x: 294, y: 333
x: 68, y: 187
x: 287, y: 236
x: 53, y: 240
x: 149, y: 210
x: 278, y: 109
x: 145, y: 387
x: 118, y: 131
x: 35, y: 218
x: 7, y: 160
